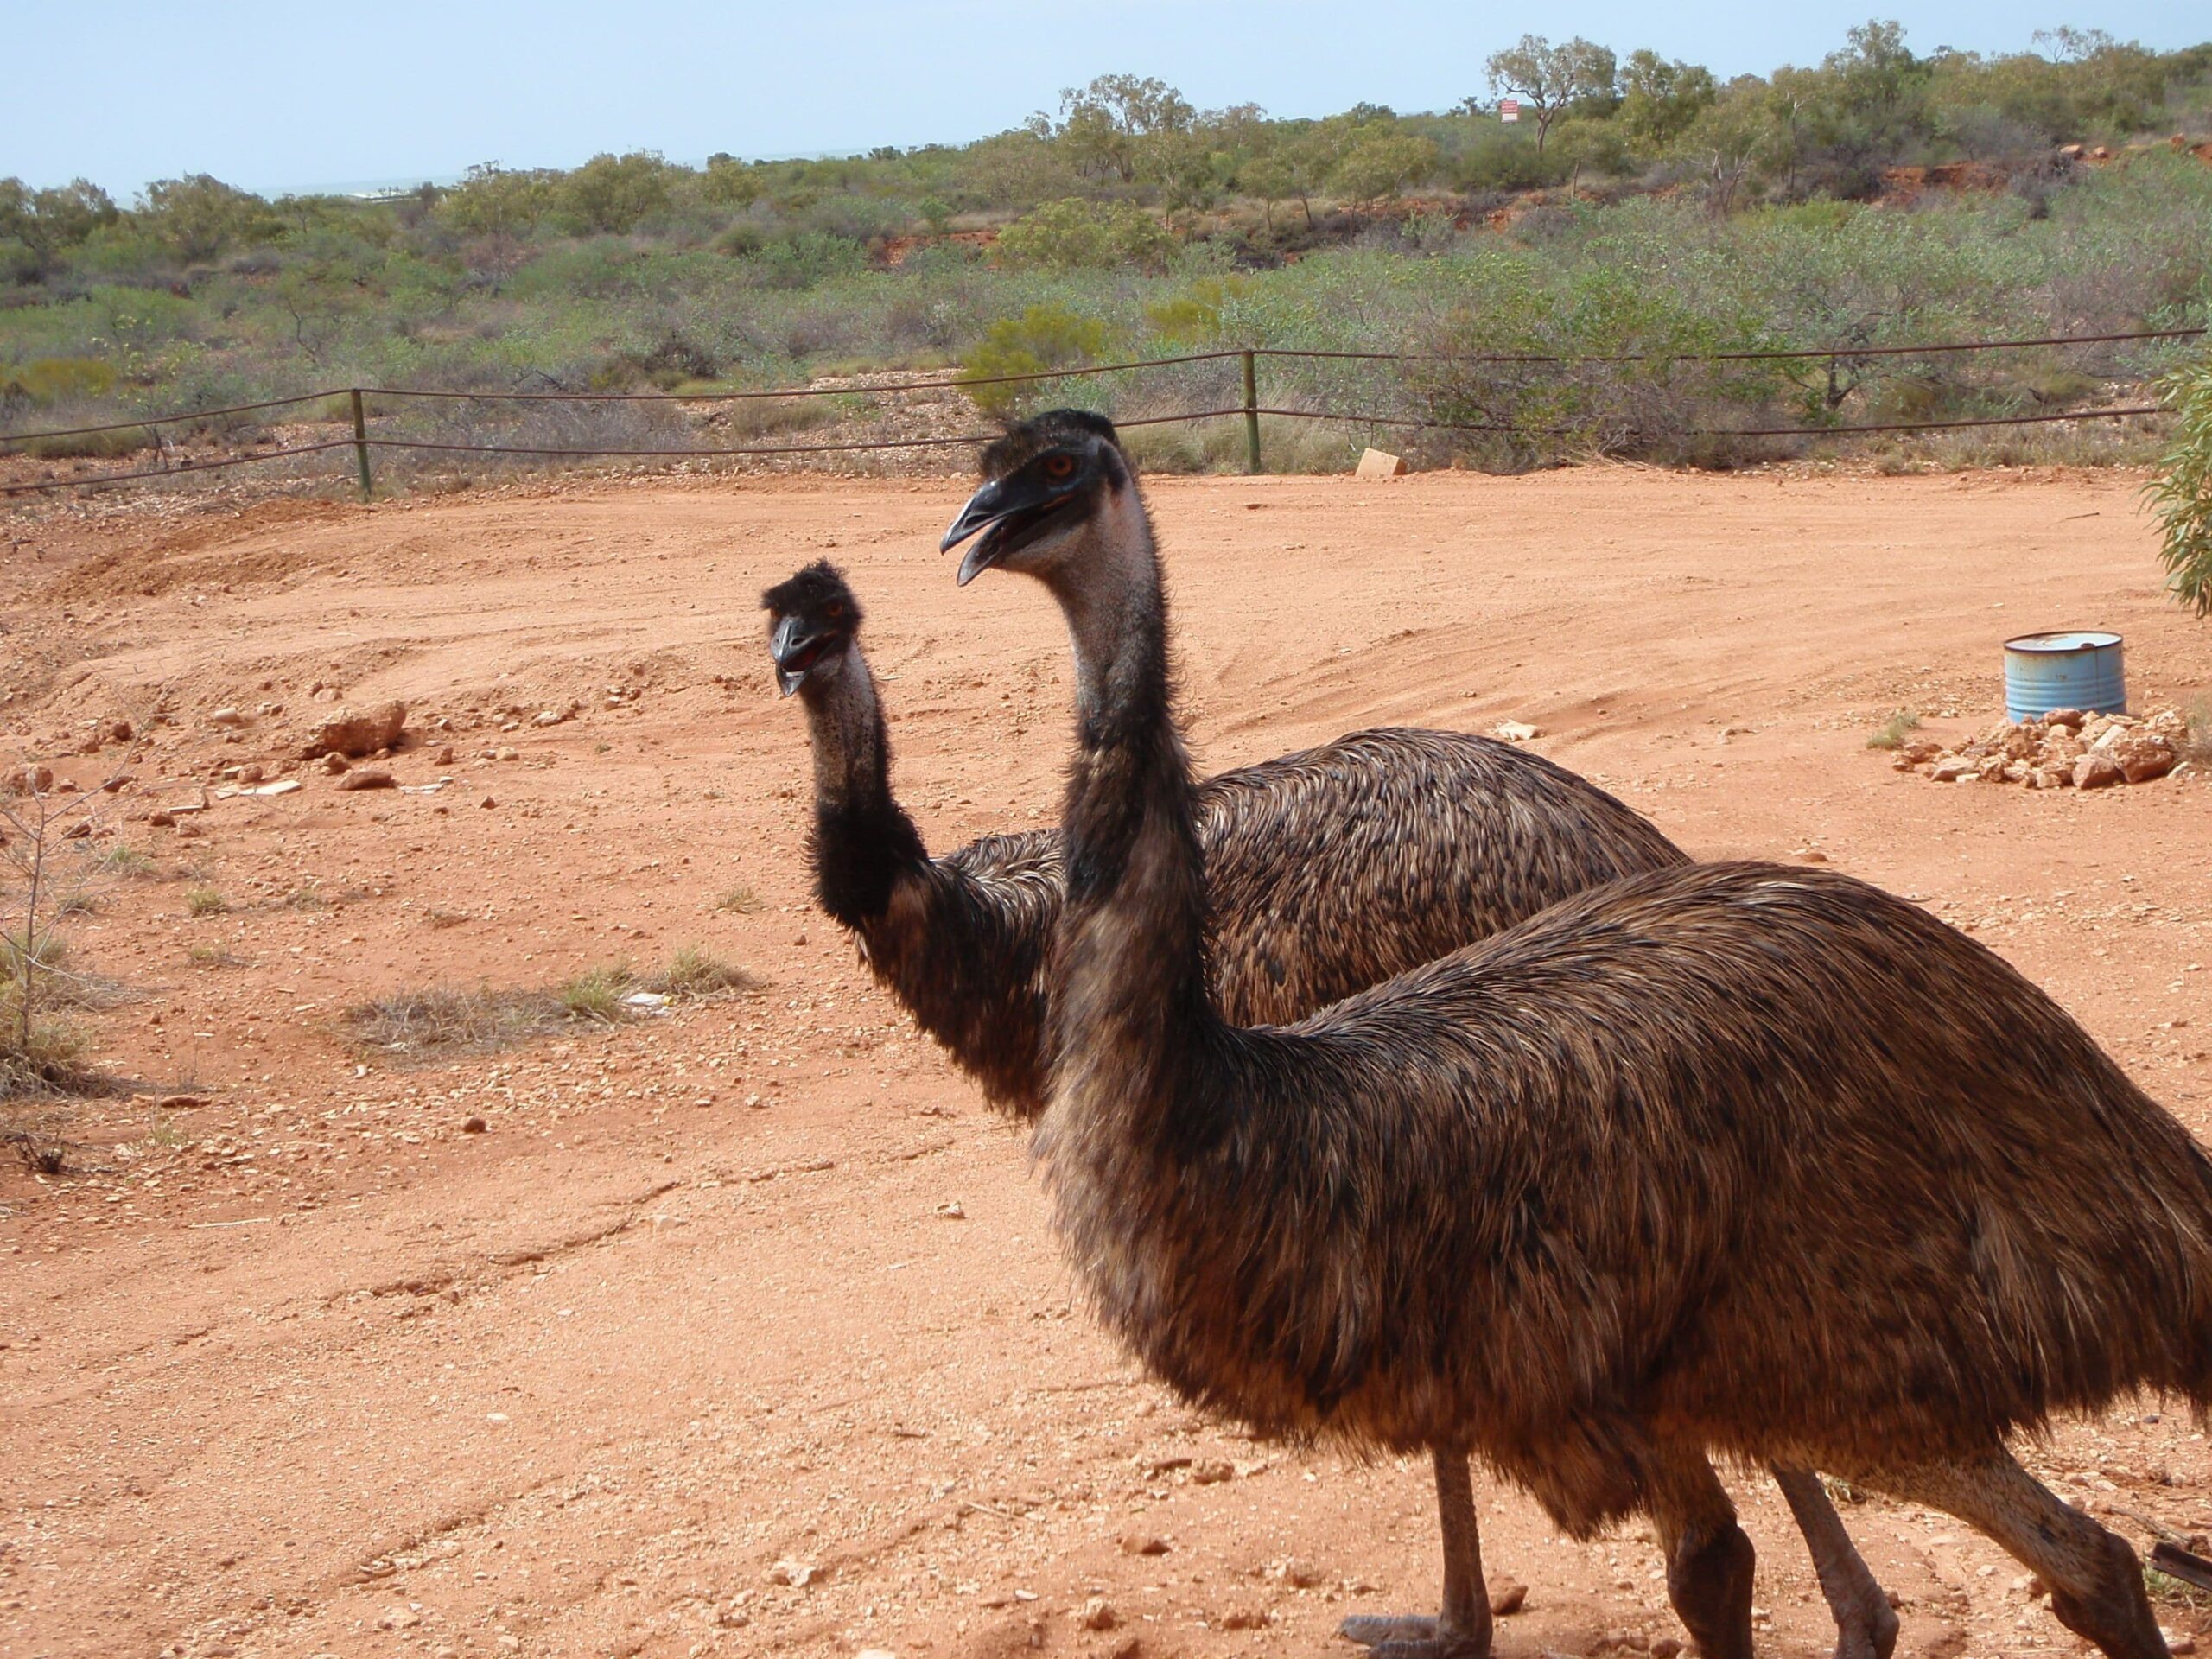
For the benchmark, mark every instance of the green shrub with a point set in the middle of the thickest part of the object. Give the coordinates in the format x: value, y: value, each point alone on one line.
x: 1076, y: 234
x: 1043, y: 338
x: 47, y: 380
x: 2181, y: 494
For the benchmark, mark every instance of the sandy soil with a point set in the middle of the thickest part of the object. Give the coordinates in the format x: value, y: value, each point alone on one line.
x: 306, y: 1369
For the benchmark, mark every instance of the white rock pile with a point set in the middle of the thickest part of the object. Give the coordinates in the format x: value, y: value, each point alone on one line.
x: 2063, y: 749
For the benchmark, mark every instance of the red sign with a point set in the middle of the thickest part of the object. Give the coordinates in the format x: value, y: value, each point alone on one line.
x: 1509, y: 109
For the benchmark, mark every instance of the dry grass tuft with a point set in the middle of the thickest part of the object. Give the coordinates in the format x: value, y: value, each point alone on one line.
x: 739, y: 901
x: 206, y: 901
x: 2196, y: 746
x: 1891, y: 733
x: 597, y: 993
x: 444, y: 1023
x: 691, y: 974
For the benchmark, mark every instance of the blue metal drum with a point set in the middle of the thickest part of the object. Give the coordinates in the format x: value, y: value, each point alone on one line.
x: 2075, y: 668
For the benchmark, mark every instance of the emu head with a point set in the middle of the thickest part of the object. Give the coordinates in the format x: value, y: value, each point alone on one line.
x: 813, y: 619
x: 1051, y: 486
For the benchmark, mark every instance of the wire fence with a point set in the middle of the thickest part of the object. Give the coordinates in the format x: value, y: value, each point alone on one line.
x: 1439, y: 378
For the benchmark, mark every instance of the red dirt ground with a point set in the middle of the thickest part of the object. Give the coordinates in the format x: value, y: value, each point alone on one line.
x: 306, y: 1369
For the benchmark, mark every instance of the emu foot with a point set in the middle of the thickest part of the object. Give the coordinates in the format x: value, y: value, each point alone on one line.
x: 1870, y: 1632
x: 1410, y: 1636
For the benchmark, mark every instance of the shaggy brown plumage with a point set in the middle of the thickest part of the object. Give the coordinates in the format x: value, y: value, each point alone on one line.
x: 1331, y: 868
x: 1731, y: 1156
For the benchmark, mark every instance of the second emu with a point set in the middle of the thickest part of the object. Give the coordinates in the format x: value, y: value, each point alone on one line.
x: 1730, y: 1157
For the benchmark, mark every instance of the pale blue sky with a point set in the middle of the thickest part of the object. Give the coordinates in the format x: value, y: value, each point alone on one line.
x: 316, y: 93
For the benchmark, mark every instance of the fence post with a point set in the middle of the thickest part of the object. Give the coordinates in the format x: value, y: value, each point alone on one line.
x: 1251, y: 417
x: 361, y: 441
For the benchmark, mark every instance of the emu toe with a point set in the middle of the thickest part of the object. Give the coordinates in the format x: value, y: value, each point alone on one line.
x: 1409, y: 1636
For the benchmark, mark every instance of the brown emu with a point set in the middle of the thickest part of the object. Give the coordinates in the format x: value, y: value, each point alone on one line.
x: 1726, y: 1157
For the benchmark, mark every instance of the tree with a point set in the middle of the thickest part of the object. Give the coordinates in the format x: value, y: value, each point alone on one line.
x: 1659, y: 100
x: 1292, y: 162
x: 612, y: 195
x: 493, y: 202
x: 1880, y: 93
x: 1102, y: 125
x: 1727, y: 140
x: 1549, y: 79
x: 50, y: 222
x: 199, y: 216
x: 1379, y: 164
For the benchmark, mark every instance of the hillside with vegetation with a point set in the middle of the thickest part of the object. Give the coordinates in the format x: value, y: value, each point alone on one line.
x: 1637, y: 205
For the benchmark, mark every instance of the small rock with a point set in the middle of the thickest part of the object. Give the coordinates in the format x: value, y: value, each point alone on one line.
x: 1508, y: 1595
x: 1517, y: 731
x: 1211, y: 1471
x: 1096, y: 1614
x: 1247, y: 1618
x: 2095, y: 770
x: 487, y: 803
x: 160, y: 819
x: 119, y: 731
x: 1143, y: 1543
x: 473, y: 1126
x: 399, y: 1618
x: 1949, y: 768
x: 335, y: 763
x: 1129, y: 1647
x: 31, y: 780
x: 1665, y: 1648
x: 443, y: 757
x: 368, y: 778
x: 359, y: 731
x: 950, y: 1210
x: 550, y: 717
x: 227, y: 717
x: 1302, y: 1574
x: 798, y: 1575
x: 250, y: 774
x: 182, y: 1102
x: 1380, y: 463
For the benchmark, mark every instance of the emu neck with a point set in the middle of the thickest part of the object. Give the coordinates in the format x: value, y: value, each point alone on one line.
x: 1131, y: 994
x: 851, y: 754
x: 862, y: 842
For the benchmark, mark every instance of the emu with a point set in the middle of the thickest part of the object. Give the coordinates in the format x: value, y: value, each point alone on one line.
x: 1327, y: 871
x: 1729, y: 1157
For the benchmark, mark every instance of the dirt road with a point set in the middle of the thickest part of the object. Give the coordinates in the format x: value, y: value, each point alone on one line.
x: 308, y: 1368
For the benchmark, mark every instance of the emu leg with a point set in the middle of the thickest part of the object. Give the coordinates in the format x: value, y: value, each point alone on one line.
x: 1865, y: 1626
x: 2097, y: 1581
x: 1709, y: 1560
x: 1462, y: 1629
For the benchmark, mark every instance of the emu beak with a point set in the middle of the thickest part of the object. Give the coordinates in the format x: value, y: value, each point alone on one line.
x: 989, y: 507
x: 792, y: 650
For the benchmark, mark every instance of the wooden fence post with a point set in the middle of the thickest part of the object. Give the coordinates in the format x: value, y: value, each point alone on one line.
x: 361, y: 441
x: 1251, y: 416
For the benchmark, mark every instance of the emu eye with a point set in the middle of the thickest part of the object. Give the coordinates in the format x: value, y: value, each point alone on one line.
x: 1059, y: 468
x: 835, y: 608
